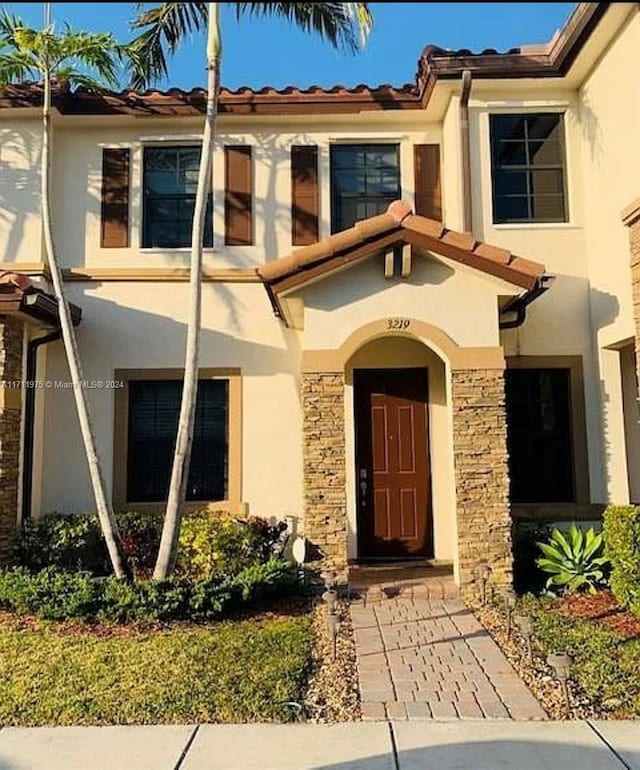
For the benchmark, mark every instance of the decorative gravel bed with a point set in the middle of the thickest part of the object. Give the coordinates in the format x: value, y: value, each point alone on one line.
x: 538, y: 676
x: 332, y: 690
x: 605, y: 680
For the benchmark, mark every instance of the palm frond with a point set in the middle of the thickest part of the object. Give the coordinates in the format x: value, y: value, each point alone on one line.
x: 345, y: 25
x: 93, y: 54
x: 83, y: 58
x: 167, y: 25
x: 16, y: 67
x: 8, y: 25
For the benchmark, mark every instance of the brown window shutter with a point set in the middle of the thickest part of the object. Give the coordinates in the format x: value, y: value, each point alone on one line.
x: 426, y: 165
x: 238, y: 196
x: 304, y: 194
x: 114, y: 230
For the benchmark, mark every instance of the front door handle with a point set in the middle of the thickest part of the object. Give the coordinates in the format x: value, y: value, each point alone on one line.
x: 363, y: 487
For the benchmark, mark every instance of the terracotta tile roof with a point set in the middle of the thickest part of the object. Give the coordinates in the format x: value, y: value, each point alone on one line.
x: 398, y: 225
x: 435, y: 63
x: 18, y: 293
x: 11, y: 282
x: 176, y: 101
x: 551, y: 60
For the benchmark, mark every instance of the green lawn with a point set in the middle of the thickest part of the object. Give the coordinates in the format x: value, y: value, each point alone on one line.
x: 226, y: 672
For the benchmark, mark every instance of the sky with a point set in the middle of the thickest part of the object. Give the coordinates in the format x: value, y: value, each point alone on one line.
x: 258, y: 52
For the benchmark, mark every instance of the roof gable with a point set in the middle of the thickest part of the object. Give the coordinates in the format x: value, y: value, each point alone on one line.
x: 398, y: 225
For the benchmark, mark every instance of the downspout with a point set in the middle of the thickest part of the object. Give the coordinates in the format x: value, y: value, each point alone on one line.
x: 467, y: 218
x: 29, y: 416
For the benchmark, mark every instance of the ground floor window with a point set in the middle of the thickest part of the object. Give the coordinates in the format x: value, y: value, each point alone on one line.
x: 154, y: 407
x: 541, y: 455
x: 147, y: 409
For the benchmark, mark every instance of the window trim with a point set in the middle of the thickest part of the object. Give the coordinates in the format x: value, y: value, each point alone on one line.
x: 233, y: 503
x: 577, y: 419
x: 567, y: 222
x: 397, y: 145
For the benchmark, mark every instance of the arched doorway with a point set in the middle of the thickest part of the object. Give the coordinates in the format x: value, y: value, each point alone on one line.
x: 400, y: 477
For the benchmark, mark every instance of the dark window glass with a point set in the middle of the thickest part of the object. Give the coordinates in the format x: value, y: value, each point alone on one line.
x: 528, y: 168
x: 170, y: 182
x: 539, y: 435
x: 154, y: 406
x: 365, y: 179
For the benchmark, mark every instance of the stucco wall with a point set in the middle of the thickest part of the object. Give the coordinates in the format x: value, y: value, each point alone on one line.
x: 137, y: 325
x: 20, y: 143
x: 610, y: 125
x: 437, y: 292
x: 77, y: 191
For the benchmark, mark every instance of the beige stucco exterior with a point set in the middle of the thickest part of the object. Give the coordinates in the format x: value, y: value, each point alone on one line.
x: 139, y: 323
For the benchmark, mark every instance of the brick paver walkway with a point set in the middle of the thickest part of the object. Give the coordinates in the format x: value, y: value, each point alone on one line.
x: 430, y: 658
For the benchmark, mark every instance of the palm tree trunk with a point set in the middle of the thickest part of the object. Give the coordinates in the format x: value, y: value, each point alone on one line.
x: 105, y: 512
x: 180, y: 471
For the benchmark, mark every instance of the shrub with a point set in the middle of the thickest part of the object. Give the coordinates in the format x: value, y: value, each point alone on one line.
x: 143, y: 601
x: 50, y: 593
x: 218, y: 544
x: 574, y: 561
x: 622, y: 538
x: 68, y: 542
x: 605, y: 664
x: 55, y: 595
x: 140, y: 534
x: 211, y: 543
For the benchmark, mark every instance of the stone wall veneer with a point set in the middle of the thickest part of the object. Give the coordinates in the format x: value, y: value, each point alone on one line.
x: 482, y: 476
x: 10, y: 421
x: 325, y: 500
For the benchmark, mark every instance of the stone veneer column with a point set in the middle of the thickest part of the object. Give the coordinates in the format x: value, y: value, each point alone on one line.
x: 631, y: 218
x: 482, y: 476
x: 10, y: 421
x: 325, y: 502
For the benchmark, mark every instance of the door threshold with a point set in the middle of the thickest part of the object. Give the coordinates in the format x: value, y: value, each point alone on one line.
x: 401, y: 563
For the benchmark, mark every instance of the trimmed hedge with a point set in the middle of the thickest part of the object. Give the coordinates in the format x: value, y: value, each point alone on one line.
x: 622, y: 538
x: 212, y: 543
x: 53, y: 594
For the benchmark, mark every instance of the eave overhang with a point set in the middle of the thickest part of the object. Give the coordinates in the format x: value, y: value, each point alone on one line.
x: 399, y: 226
x: 19, y: 295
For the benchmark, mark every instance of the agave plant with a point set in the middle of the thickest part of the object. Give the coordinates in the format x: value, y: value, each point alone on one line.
x: 575, y: 561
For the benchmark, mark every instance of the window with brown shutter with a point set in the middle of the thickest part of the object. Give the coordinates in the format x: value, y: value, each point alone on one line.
x: 114, y: 230
x: 304, y: 194
x: 428, y: 188
x: 238, y: 196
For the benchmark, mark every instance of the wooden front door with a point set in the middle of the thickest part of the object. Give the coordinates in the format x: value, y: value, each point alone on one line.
x: 392, y: 463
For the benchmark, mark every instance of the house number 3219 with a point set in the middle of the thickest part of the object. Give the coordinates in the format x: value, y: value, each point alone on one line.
x: 398, y: 323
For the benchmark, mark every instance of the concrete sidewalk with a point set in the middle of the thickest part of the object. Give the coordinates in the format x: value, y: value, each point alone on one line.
x: 455, y: 745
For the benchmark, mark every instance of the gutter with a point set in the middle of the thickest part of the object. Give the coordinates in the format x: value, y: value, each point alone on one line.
x: 29, y: 417
x: 467, y: 218
x: 519, y: 304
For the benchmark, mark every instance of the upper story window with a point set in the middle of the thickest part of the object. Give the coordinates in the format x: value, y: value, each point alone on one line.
x: 170, y: 179
x: 528, y: 168
x: 365, y: 179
